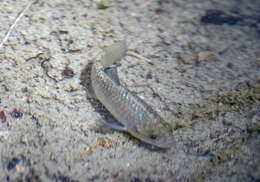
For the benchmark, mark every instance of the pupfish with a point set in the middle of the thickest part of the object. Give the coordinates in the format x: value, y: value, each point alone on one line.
x: 133, y: 115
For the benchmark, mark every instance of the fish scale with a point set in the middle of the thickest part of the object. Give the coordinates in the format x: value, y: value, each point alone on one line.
x: 133, y: 114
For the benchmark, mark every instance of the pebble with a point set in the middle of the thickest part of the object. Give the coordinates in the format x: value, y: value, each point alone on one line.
x: 16, y: 114
x: 205, y: 56
x: 2, y: 116
x: 257, y: 61
x: 188, y: 58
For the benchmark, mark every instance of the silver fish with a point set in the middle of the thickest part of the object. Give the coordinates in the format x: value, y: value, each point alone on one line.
x: 133, y: 114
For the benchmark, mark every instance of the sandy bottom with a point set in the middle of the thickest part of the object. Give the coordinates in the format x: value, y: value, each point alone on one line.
x: 195, y: 62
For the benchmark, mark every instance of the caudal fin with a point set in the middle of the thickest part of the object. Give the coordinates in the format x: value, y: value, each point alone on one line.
x: 114, y: 53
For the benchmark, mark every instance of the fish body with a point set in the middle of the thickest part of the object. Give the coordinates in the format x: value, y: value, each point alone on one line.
x: 132, y: 113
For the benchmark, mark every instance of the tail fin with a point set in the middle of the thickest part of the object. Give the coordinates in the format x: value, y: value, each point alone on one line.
x: 114, y: 53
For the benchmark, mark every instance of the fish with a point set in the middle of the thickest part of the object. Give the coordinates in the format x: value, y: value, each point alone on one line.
x: 133, y: 115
